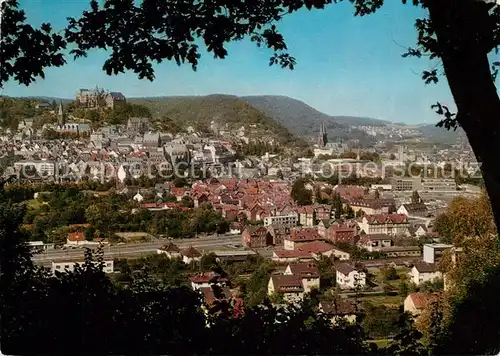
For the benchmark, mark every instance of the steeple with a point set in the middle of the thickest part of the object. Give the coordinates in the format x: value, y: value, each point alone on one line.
x: 322, y: 137
x: 60, y: 115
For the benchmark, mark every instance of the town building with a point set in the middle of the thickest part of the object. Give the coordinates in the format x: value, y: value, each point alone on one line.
x: 390, y: 224
x: 28, y: 167
x: 190, y: 255
x: 206, y: 280
x: 283, y: 220
x: 317, y: 249
x: 114, y: 100
x: 414, y: 210
x: 439, y: 185
x: 69, y: 265
x: 289, y: 256
x: 306, y: 215
x: 90, y: 98
x: 347, y: 233
x: 406, y: 184
x: 278, y: 232
x: 349, y: 277
x: 402, y: 251
x: 371, y: 206
x: 300, y: 236
x: 169, y: 249
x: 308, y: 273
x: 75, y: 239
x: 290, y: 286
x: 375, y: 242
x: 433, y: 252
x: 256, y: 237
x: 339, y: 309
x: 138, y: 124
x: 415, y: 303
x: 424, y: 272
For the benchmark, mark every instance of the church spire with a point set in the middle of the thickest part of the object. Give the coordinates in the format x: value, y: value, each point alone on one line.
x: 60, y: 115
x: 322, y: 137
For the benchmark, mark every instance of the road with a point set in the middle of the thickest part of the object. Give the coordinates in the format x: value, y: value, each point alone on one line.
x: 136, y: 249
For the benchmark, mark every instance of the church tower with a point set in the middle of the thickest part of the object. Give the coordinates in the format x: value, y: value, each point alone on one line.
x: 322, y: 137
x: 61, y: 119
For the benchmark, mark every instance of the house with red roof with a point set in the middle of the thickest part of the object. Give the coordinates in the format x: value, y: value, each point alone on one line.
x: 179, y: 193
x: 320, y: 248
x: 213, y: 294
x: 390, y: 224
x: 347, y: 233
x: 323, y: 211
x: 75, y: 239
x: 287, y: 256
x: 290, y: 286
x: 307, y: 272
x: 256, y: 237
x: 371, y: 206
x: 300, y: 236
x: 415, y: 303
x: 206, y: 280
x: 306, y: 215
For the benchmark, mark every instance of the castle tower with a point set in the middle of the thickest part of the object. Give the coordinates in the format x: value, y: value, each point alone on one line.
x: 322, y: 137
x: 61, y: 119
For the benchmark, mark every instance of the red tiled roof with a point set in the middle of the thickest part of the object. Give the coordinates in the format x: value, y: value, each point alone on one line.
x: 386, y: 219
x: 315, y: 247
x: 287, y: 283
x: 207, y: 278
x: 292, y: 254
x: 421, y: 299
x: 76, y: 236
x: 304, y: 270
x: 305, y: 234
x: 209, y: 295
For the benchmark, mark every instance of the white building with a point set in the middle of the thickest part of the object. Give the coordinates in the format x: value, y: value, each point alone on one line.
x: 69, y: 265
x: 190, y: 254
x: 206, y: 280
x: 282, y: 220
x: 425, y: 272
x: 138, y: 198
x: 433, y: 251
x: 348, y: 277
x: 390, y: 224
x: 170, y: 249
x: 42, y: 167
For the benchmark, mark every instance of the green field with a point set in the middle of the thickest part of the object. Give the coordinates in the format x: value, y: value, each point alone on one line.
x: 387, y: 300
x: 378, y: 277
x: 381, y: 343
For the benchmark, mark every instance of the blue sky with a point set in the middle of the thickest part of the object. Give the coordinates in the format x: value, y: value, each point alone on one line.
x: 346, y: 65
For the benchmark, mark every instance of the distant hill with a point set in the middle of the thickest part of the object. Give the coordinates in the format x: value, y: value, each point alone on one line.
x: 48, y: 99
x: 226, y: 110
x: 440, y: 134
x: 302, y: 119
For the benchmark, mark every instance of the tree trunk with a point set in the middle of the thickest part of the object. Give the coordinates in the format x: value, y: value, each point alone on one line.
x: 464, y: 35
